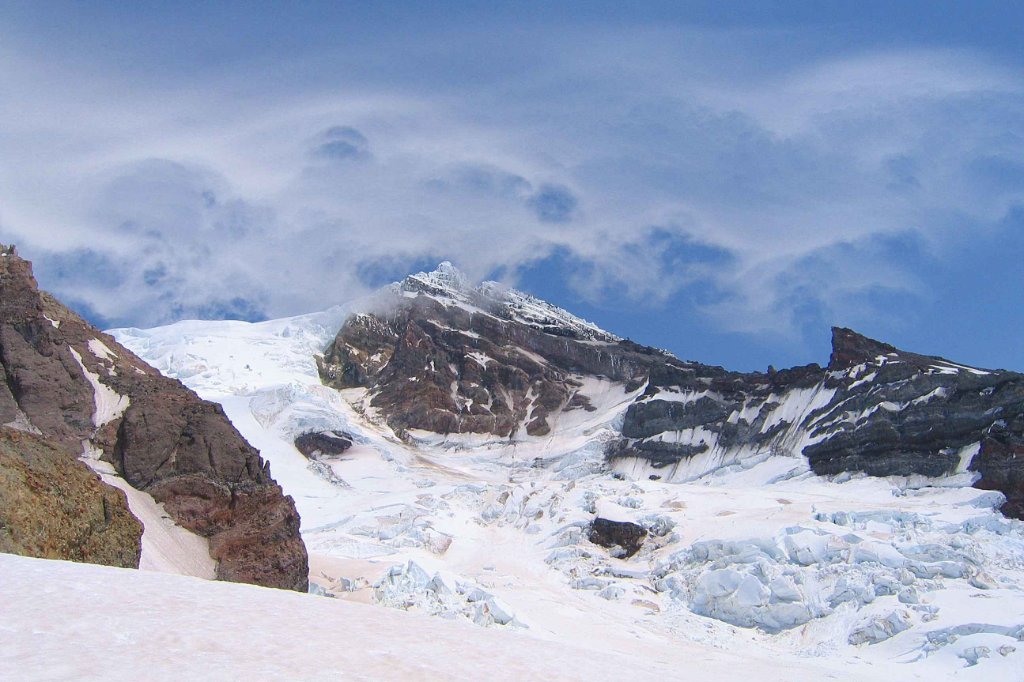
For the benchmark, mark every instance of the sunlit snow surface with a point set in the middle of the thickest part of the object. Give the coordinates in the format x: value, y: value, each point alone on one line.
x: 860, y: 577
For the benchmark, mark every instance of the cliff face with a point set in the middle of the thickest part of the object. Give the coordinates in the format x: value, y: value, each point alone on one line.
x: 79, y: 388
x: 450, y: 358
x: 447, y: 357
x: 873, y: 409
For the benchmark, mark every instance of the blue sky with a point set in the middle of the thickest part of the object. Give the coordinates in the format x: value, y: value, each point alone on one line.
x: 725, y: 180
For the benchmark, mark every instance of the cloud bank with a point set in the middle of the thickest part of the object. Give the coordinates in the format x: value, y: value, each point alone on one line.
x: 669, y: 167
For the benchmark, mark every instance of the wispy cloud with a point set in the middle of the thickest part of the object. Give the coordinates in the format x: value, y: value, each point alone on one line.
x: 656, y: 162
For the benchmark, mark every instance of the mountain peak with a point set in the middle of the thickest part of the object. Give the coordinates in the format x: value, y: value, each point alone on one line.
x: 448, y: 283
x: 850, y: 348
x: 445, y: 280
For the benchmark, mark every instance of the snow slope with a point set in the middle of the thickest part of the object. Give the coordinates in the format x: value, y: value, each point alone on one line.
x: 78, y: 621
x: 913, y: 578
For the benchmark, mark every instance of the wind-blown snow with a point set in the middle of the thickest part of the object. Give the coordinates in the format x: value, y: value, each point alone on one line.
x: 747, y: 551
x: 451, y: 287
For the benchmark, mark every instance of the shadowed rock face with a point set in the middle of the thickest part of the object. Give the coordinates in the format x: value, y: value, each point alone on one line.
x: 924, y: 411
x: 874, y: 409
x: 323, y: 444
x: 446, y: 357
x: 159, y: 435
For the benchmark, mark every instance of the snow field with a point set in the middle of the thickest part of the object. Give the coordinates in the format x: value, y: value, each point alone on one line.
x: 754, y: 556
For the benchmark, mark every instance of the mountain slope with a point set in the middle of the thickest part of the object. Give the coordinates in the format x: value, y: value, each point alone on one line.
x: 245, y: 632
x: 445, y: 357
x: 54, y: 507
x: 873, y: 409
x: 907, y: 576
x: 173, y: 453
x: 440, y: 355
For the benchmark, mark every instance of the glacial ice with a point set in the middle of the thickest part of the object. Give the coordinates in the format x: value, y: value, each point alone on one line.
x: 745, y: 549
x: 412, y: 587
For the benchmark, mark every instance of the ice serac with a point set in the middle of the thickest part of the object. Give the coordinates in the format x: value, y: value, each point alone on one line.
x: 82, y: 391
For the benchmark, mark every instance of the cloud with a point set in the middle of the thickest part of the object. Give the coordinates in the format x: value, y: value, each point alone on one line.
x: 340, y: 143
x: 677, y: 173
x: 553, y: 204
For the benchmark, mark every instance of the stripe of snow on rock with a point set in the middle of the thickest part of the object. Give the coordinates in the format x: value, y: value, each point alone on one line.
x: 109, y: 403
x: 166, y: 546
x: 797, y: 404
x: 100, y: 350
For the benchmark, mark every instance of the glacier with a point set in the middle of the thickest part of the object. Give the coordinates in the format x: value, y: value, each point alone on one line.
x: 904, y: 576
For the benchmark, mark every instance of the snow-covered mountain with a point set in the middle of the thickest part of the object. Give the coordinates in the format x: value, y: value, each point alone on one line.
x: 479, y: 455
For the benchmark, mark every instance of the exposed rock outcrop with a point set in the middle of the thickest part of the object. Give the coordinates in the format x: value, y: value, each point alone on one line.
x: 61, y: 377
x: 322, y: 444
x: 874, y: 409
x: 626, y: 536
x: 53, y: 507
x: 446, y: 357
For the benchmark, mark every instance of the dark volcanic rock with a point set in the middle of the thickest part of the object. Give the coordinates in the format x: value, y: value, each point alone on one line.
x: 449, y: 358
x: 53, y: 507
x: 850, y: 348
x: 624, y: 534
x: 920, y: 412
x: 874, y: 409
x: 159, y: 435
x: 321, y: 444
x: 1001, y: 465
x: 446, y: 357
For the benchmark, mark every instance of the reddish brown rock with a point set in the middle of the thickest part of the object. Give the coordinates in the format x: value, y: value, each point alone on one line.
x: 53, y: 507
x: 168, y: 442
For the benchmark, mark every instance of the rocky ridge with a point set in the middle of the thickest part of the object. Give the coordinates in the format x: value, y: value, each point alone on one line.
x: 90, y: 397
x: 446, y: 357
x: 442, y: 356
x: 874, y: 409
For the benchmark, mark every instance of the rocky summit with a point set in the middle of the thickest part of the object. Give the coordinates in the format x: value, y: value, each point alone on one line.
x: 447, y: 357
x: 81, y: 393
x: 437, y: 354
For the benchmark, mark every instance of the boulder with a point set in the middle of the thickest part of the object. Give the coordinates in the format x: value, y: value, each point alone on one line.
x: 624, y: 535
x: 323, y: 444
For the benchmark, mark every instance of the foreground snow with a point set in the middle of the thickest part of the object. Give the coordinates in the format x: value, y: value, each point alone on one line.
x: 758, y: 563
x: 62, y: 620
